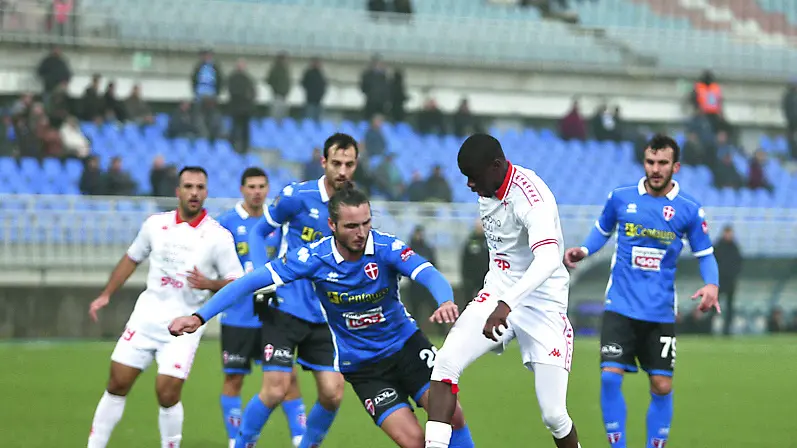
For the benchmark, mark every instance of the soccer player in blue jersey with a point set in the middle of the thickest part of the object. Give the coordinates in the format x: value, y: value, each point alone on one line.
x: 240, y: 327
x: 379, y: 348
x: 295, y: 325
x: 652, y: 217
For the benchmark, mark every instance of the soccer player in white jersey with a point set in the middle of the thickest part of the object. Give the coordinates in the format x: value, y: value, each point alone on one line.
x: 190, y: 255
x: 525, y: 291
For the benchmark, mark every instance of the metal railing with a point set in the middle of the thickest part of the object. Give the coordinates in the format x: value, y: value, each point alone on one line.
x: 456, y: 38
x: 85, y: 233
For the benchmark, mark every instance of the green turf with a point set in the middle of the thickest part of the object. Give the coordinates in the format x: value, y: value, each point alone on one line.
x: 736, y: 393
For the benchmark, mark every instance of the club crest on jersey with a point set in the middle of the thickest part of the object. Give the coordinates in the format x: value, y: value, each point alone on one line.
x: 668, y: 211
x: 268, y: 352
x: 372, y: 270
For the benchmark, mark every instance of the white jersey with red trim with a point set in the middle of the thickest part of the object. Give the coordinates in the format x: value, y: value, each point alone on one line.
x: 521, y: 217
x: 174, y: 247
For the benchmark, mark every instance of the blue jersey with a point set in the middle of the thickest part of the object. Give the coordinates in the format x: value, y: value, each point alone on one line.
x: 238, y: 222
x: 650, y: 234
x: 360, y: 298
x: 301, y: 208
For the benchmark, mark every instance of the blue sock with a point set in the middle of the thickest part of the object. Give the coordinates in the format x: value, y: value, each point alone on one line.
x: 613, y: 406
x: 255, y: 417
x: 231, y: 408
x: 460, y: 438
x: 659, y: 419
x: 318, y: 422
x: 294, y: 413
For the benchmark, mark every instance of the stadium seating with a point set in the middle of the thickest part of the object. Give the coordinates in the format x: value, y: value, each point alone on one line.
x: 684, y: 39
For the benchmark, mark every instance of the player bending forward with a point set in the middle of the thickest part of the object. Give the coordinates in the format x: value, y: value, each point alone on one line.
x: 525, y: 289
x: 190, y: 255
x: 653, y: 217
x: 379, y: 348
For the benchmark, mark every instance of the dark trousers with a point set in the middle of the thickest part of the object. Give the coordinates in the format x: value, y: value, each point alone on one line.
x: 730, y: 293
x: 239, y: 134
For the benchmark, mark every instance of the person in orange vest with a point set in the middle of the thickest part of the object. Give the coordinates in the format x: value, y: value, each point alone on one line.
x: 707, y: 98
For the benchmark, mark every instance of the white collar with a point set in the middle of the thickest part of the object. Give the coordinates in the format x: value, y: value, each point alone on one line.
x: 671, y: 195
x: 239, y: 208
x: 369, y: 248
x: 322, y: 188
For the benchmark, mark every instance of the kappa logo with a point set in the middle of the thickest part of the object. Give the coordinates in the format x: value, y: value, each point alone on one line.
x: 668, y: 211
x: 555, y: 353
x: 371, y: 270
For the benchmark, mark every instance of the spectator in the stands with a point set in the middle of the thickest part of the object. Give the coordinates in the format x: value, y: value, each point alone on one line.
x: 92, y: 180
x: 464, y: 122
x: 376, y: 88
x: 430, y: 119
x: 437, y: 188
x: 314, y: 83
x: 53, y: 70
x: 62, y: 17
x: 694, y: 153
x: 207, y: 78
x: 162, y: 178
x: 279, y: 79
x: 312, y: 168
x: 243, y: 99
x: 377, y: 7
x: 75, y: 142
x: 572, y: 126
x: 49, y: 138
x: 118, y: 181
x: 398, y: 95
x: 114, y: 109
x: 790, y: 114
x: 777, y: 321
x: 21, y: 106
x: 402, y: 6
x: 181, y: 122
x: 757, y: 176
x: 699, y: 124
x: 725, y: 174
x: 208, y: 120
x: 136, y: 109
x: 708, y: 99
x: 92, y: 106
x: 388, y: 178
x: 416, y: 190
x: 374, y: 137
x: 604, y: 125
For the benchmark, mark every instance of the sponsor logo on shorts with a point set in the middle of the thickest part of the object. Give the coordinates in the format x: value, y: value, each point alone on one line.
x: 647, y: 258
x: 279, y: 354
x: 232, y: 357
x: 612, y: 350
x: 364, y: 319
x: 268, y: 352
x: 385, y: 397
x: 369, y: 406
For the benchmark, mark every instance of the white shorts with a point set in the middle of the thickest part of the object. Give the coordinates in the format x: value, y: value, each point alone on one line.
x: 174, y: 355
x: 545, y: 337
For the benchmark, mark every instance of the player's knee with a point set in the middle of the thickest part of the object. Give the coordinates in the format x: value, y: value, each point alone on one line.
x: 233, y: 384
x: 410, y: 437
x: 446, y: 368
x: 660, y: 385
x: 330, y: 394
x: 274, y: 389
x: 558, y: 422
x: 168, y: 397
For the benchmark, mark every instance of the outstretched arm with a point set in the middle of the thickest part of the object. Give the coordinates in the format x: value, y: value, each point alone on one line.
x: 241, y: 289
x: 257, y: 242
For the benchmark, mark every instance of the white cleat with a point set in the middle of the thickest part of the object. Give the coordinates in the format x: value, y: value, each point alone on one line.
x: 232, y: 443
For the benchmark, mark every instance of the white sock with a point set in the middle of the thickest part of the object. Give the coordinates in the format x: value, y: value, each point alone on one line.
x: 232, y: 443
x: 170, y: 421
x: 438, y: 435
x: 109, y: 412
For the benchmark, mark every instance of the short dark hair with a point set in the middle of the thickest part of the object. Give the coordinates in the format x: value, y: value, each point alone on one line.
x: 348, y: 195
x: 661, y: 141
x: 192, y: 169
x: 253, y: 171
x: 480, y: 150
x: 342, y: 141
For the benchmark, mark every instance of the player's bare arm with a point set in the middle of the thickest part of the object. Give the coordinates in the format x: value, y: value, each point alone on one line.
x: 123, y: 270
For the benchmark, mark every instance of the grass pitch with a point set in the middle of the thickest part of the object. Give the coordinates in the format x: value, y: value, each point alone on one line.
x: 736, y: 393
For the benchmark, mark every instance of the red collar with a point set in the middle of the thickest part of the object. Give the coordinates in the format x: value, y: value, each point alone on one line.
x: 194, y: 222
x: 501, y: 193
